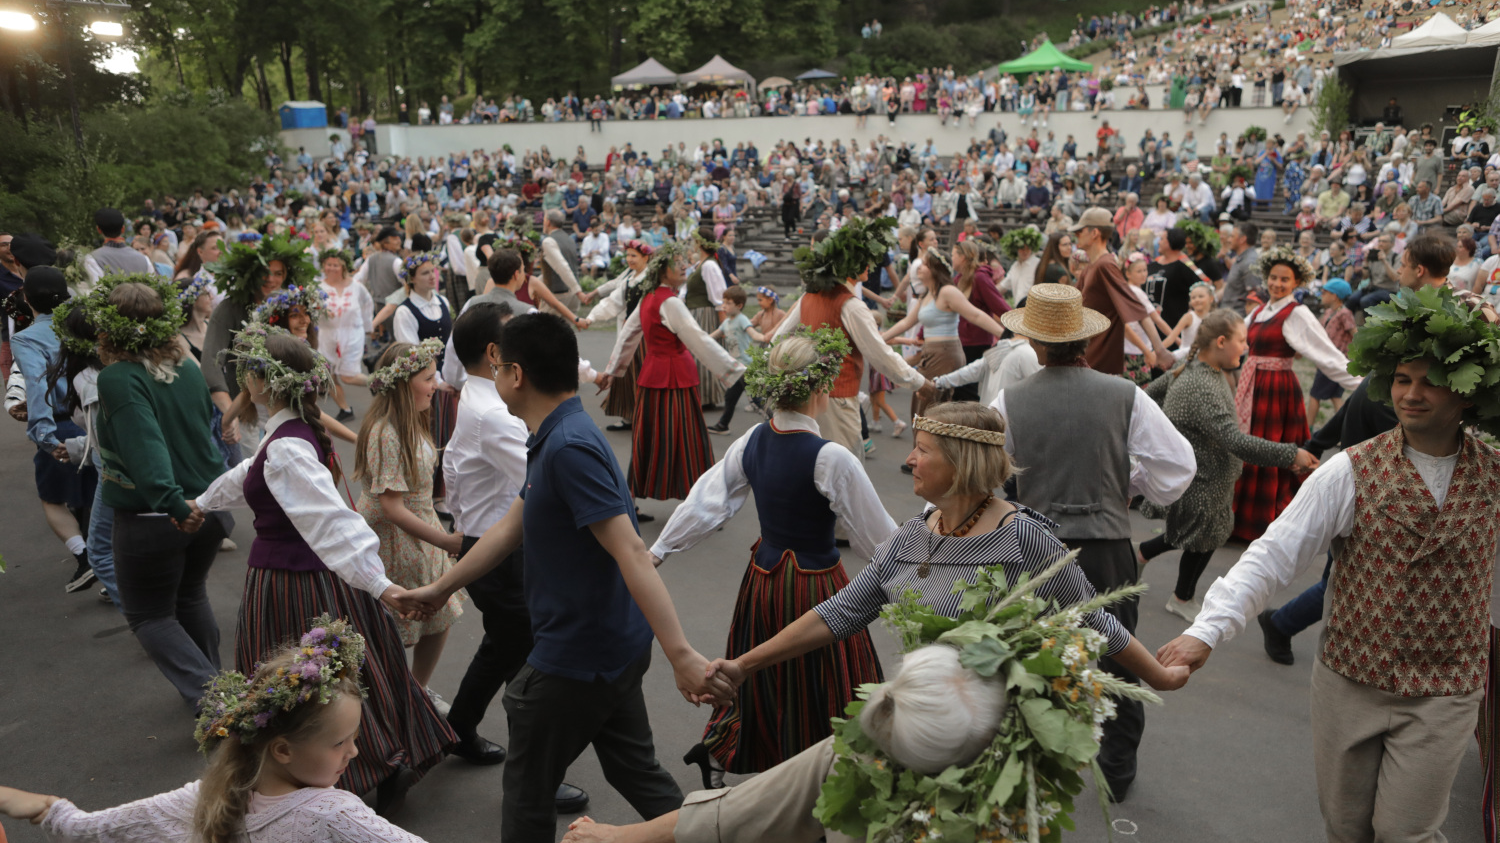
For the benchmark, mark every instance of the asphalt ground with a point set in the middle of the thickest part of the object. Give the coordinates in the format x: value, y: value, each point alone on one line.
x: 85, y: 714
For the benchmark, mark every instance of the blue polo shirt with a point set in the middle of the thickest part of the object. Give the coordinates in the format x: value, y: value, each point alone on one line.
x: 586, y: 625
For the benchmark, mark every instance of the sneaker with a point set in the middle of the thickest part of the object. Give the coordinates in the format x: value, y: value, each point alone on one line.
x: 876, y: 428
x: 83, y: 575
x: 228, y: 544
x: 105, y: 598
x: 438, y: 703
x: 869, y: 447
x: 1186, y: 609
x: 899, y: 429
x: 720, y: 429
x: 345, y: 414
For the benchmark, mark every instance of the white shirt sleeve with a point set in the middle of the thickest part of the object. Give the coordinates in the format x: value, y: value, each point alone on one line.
x: 971, y: 373
x: 226, y: 492
x: 1164, y: 462
x: 1304, y: 334
x: 405, y: 326
x: 790, y: 322
x: 452, y: 371
x: 554, y: 258
x: 339, y: 535
x: 859, y: 323
x: 586, y: 371
x: 717, y: 495
x: 613, y: 304
x: 713, y: 282
x: 843, y: 481
x: 1300, y: 536
x: 626, y: 342
x: 366, y: 304
x: 677, y: 318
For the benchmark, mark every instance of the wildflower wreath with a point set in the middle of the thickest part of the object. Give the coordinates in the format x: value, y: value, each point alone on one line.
x: 778, y: 389
x: 125, y: 333
x: 401, y: 370
x: 242, y: 269
x: 1022, y: 787
x: 281, y: 381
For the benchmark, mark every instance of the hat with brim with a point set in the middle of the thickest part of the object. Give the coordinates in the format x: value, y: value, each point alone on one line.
x: 1094, y: 218
x: 1055, y: 313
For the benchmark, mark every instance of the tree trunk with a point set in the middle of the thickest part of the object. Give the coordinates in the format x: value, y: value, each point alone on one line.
x: 286, y: 70
x: 461, y: 68
x: 314, y: 71
x: 264, y: 88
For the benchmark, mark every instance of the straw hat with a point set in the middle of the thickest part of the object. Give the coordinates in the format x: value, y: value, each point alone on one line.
x: 1055, y: 313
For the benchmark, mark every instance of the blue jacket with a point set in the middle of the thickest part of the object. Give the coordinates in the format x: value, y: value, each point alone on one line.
x: 35, y: 349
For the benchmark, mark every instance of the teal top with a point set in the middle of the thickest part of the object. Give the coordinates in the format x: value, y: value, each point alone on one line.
x: 737, y: 339
x: 937, y: 324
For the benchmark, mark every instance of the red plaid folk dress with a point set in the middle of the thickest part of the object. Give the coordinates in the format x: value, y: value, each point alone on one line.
x: 1277, y: 413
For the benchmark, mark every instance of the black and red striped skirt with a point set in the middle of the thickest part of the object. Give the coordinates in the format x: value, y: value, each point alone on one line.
x: 669, y: 448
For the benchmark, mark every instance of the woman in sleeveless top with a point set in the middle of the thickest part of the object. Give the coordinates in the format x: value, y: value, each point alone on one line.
x: 313, y: 555
x: 803, y: 485
x: 424, y: 315
x: 704, y: 296
x: 938, y: 312
x: 1268, y: 400
x: 669, y: 443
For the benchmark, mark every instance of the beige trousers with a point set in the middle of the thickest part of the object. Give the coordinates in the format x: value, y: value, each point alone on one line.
x: 840, y: 423
x: 1385, y: 762
x: 776, y: 805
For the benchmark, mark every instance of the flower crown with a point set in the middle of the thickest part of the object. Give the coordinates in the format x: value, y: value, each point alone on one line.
x: 341, y: 255
x: 402, y: 369
x: 665, y: 256
x: 409, y: 266
x: 1018, y: 238
x: 709, y: 247
x: 853, y: 249
x: 281, y: 381
x: 639, y: 246
x: 243, y: 268
x: 123, y: 332
x: 935, y: 255
x: 793, y: 388
x: 190, y: 290
x: 1284, y: 255
x: 87, y: 347
x: 1433, y: 323
x: 234, y: 706
x: 278, y: 305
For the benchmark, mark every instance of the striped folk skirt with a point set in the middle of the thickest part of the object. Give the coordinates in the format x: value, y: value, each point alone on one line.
x: 1489, y: 724
x: 620, y: 401
x: 444, y: 417
x: 710, y: 391
x: 785, y: 709
x: 1277, y: 414
x: 669, y: 447
x: 398, y: 724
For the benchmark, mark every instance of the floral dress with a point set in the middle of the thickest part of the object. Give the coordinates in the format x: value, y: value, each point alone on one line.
x: 409, y: 561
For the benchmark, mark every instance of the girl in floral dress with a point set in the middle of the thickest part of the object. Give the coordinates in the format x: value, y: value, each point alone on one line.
x: 395, y: 462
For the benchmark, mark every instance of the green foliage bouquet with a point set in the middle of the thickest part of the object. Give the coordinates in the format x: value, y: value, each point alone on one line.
x: 847, y: 253
x: 1022, y: 786
x: 1203, y: 239
x: 1026, y: 236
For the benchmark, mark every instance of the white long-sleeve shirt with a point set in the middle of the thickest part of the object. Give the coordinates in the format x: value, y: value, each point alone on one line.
x: 304, y: 488
x: 1162, y: 462
x: 453, y: 371
x: 679, y: 320
x: 612, y: 303
x: 1307, y: 337
x: 484, y: 465
x: 723, y: 489
x: 554, y: 258
x: 859, y: 324
x: 405, y: 323
x: 1324, y: 509
x: 1020, y: 277
x: 1002, y: 366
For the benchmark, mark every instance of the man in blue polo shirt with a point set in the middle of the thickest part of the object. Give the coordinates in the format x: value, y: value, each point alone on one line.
x: 593, y: 593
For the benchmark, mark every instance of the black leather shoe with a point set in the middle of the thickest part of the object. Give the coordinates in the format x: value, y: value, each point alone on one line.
x: 624, y: 425
x: 1118, y: 790
x: 570, y: 799
x: 390, y: 794
x: 1278, y: 645
x: 643, y: 518
x: 840, y: 542
x: 477, y: 750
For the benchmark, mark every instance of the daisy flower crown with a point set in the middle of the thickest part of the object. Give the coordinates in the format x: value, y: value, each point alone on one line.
x: 237, y: 707
x: 277, y: 306
x: 124, y: 333
x: 281, y: 381
x: 402, y: 369
x: 1284, y: 255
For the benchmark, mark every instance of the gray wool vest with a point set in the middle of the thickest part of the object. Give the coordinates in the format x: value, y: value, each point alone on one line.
x: 1068, y: 428
x: 120, y: 258
x: 569, y: 251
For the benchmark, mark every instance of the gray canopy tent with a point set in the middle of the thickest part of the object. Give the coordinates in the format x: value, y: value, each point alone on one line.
x: 716, y: 72
x: 647, y: 73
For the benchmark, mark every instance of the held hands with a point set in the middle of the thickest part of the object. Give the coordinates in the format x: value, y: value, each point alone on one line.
x: 18, y: 412
x: 419, y: 603
x: 603, y: 380
x: 229, y: 431
x: 1305, y: 462
x: 730, y: 676
x: 453, y: 543
x: 928, y: 391
x: 21, y: 805
x: 1185, y: 651
x: 698, y: 682
x: 193, y: 522
x: 402, y: 603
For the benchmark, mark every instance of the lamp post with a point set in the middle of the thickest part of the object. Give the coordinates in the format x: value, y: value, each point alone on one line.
x: 104, y: 28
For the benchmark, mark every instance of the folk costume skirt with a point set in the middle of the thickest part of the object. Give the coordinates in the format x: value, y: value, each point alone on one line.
x: 398, y: 724
x: 621, y: 398
x: 939, y: 356
x: 1277, y: 413
x: 710, y: 391
x: 444, y: 417
x: 783, y: 710
x: 669, y: 447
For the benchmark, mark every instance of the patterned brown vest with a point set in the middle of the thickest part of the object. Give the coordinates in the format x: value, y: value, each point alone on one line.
x: 1411, y: 585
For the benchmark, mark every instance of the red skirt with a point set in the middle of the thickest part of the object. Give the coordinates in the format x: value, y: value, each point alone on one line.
x: 669, y: 448
x: 1278, y: 414
x: 785, y: 709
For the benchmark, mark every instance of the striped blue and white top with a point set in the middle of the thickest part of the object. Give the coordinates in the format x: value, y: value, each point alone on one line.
x: 1024, y: 543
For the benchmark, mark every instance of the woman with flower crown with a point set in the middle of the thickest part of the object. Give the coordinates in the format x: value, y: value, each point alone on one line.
x: 803, y: 486
x: 425, y: 314
x: 277, y: 743
x: 669, y: 440
x: 314, y: 555
x: 395, y: 460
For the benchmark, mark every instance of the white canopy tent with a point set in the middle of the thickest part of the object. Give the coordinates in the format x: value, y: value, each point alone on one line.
x: 1487, y: 34
x: 1438, y: 31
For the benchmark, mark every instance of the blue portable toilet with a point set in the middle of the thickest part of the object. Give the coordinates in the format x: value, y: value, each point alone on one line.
x: 304, y: 114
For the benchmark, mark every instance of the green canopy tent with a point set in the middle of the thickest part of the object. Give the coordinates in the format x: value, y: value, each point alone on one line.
x: 1042, y: 59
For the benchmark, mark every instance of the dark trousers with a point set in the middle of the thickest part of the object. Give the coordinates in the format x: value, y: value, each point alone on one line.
x: 1305, y: 609
x: 1110, y: 564
x: 731, y: 401
x: 970, y: 392
x: 1189, y: 568
x: 162, y: 574
x: 789, y: 218
x: 499, y: 596
x: 552, y: 721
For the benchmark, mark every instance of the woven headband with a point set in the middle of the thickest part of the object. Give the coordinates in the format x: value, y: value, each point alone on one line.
x: 958, y: 431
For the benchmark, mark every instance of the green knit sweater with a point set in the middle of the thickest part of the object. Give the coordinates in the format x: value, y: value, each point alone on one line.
x: 155, y: 439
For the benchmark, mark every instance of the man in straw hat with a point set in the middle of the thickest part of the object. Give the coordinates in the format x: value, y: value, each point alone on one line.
x: 1075, y: 431
x: 1413, y: 518
x: 1109, y: 295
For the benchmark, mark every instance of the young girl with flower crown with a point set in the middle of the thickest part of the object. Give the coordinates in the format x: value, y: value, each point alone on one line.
x: 314, y: 555
x: 349, y: 318
x: 395, y: 460
x: 277, y: 745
